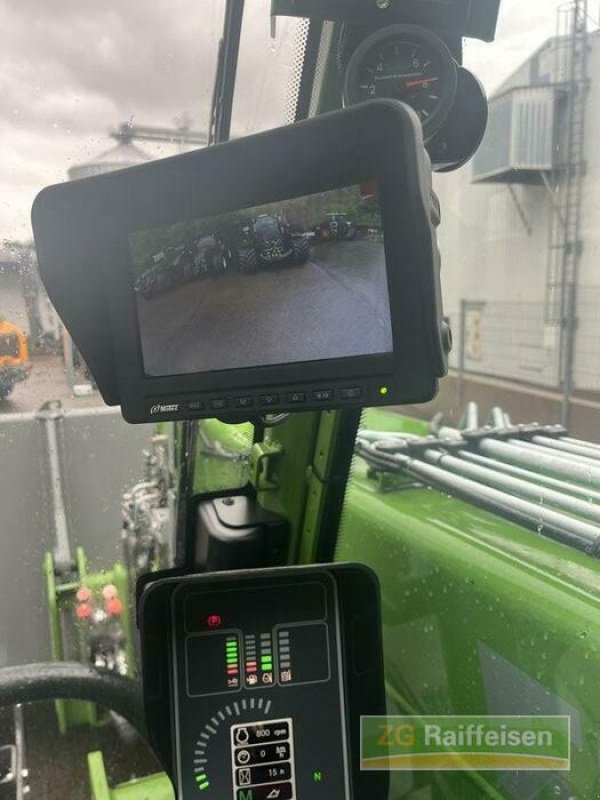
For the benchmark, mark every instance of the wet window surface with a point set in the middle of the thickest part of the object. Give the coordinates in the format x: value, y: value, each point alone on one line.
x: 87, y: 502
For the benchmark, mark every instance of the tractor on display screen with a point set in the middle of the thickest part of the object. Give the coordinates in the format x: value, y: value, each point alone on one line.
x: 268, y: 241
x: 184, y: 263
x: 336, y: 227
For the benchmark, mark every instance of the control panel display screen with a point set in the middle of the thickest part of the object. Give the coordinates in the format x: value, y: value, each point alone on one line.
x: 227, y: 651
x: 263, y: 760
x: 259, y: 687
x: 293, y: 281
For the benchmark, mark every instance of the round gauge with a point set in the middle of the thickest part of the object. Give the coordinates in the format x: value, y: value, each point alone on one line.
x: 460, y: 136
x: 407, y: 63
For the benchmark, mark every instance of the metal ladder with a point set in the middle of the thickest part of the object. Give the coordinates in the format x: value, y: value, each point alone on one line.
x: 566, y: 245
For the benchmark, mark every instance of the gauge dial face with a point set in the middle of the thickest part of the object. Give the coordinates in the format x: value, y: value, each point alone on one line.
x: 406, y: 63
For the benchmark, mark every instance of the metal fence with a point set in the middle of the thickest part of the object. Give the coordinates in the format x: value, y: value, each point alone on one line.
x: 514, y: 341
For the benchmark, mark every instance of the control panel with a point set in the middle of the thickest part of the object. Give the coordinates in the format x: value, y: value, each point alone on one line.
x: 317, y: 397
x: 268, y: 674
x: 258, y: 679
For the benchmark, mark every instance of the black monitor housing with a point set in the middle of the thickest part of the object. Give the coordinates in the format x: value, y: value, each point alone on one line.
x: 229, y: 282
x: 470, y: 18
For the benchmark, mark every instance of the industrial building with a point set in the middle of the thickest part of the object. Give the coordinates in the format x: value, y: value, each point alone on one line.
x: 520, y: 233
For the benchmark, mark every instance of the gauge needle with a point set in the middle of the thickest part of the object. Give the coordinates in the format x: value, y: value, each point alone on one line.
x: 420, y: 82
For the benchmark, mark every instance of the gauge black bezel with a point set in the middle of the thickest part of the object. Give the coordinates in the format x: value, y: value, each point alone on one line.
x: 460, y: 136
x: 422, y: 37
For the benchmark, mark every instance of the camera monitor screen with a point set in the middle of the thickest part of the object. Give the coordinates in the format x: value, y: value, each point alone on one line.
x: 292, y: 281
x: 291, y: 270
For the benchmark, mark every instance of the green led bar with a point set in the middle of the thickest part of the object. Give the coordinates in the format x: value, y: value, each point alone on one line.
x: 202, y: 781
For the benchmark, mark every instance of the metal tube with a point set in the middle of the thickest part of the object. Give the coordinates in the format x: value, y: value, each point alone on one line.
x: 20, y: 769
x: 513, y: 485
x: 567, y: 447
x: 545, y: 521
x: 569, y: 457
x: 378, y: 436
x: 588, y: 495
x: 557, y: 466
x: 571, y: 440
x: 462, y: 352
x: 498, y: 417
x: 451, y: 434
x: 62, y: 548
x: 470, y: 419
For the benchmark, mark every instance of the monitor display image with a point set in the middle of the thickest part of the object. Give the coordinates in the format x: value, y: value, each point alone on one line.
x: 293, y: 281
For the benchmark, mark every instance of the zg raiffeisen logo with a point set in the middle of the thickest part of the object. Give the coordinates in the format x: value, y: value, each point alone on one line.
x: 465, y: 743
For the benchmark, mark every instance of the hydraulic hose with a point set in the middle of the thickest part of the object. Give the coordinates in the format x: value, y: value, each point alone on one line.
x: 72, y: 681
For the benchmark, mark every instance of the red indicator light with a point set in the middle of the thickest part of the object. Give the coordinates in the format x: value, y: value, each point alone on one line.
x: 214, y: 621
x: 83, y: 595
x: 83, y: 611
x: 113, y: 606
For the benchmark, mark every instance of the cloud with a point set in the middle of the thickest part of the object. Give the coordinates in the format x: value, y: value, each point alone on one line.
x: 72, y: 69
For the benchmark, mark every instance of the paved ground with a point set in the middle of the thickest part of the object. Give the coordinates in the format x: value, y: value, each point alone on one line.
x: 327, y: 308
x: 47, y: 382
x: 58, y: 764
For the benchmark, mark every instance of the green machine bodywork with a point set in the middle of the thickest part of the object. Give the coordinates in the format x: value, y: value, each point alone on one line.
x: 68, y: 635
x: 481, y: 616
x: 152, y: 787
x: 223, y: 453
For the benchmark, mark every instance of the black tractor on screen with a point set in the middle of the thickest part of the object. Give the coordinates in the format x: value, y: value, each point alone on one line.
x: 183, y: 263
x: 210, y: 255
x: 268, y: 241
x: 156, y: 277
x: 335, y: 227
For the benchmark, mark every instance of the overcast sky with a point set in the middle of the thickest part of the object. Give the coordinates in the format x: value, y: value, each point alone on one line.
x: 72, y: 69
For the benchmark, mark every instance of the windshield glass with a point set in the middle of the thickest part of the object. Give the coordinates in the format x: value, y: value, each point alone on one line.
x: 85, y: 89
x: 88, y: 503
x: 269, y: 69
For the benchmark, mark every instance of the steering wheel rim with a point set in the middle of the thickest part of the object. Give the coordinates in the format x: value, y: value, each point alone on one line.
x: 73, y: 681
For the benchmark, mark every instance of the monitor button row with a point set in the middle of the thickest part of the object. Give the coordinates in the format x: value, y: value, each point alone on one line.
x: 266, y: 400
x: 351, y: 393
